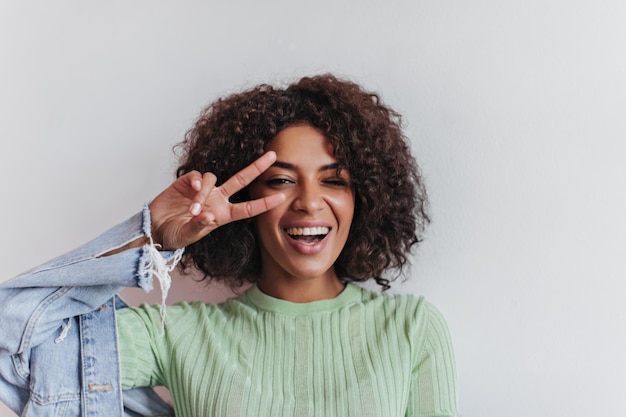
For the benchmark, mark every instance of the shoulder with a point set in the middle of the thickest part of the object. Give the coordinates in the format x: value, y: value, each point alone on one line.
x: 414, y: 312
x: 152, y: 316
x: 410, y: 304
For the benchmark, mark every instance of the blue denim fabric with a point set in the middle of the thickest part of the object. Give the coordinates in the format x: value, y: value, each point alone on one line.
x: 58, y: 338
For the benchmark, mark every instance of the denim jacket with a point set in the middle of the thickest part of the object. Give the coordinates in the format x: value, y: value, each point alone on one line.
x: 58, y: 339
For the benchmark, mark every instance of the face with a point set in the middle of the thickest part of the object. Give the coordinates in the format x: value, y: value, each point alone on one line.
x: 302, y: 237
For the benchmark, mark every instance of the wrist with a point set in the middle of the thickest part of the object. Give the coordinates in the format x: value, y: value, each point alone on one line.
x: 137, y: 243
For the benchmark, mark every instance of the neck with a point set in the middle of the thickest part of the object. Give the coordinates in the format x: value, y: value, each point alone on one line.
x: 302, y: 291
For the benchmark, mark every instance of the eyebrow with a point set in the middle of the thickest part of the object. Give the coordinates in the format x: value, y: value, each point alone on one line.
x: 292, y: 167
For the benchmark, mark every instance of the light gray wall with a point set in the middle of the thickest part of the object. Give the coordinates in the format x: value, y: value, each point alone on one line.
x: 516, y: 110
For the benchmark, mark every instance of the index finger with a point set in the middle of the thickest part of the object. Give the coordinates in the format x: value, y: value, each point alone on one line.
x: 244, y: 177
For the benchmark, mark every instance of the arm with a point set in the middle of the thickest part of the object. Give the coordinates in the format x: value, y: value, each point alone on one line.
x: 36, y: 302
x: 433, y: 392
x: 78, y: 282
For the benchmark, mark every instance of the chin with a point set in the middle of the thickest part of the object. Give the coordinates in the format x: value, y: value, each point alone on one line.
x: 304, y: 272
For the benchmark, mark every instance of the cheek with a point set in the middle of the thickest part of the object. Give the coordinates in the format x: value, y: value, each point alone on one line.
x: 266, y: 224
x: 261, y: 231
x: 261, y: 222
x: 343, y: 206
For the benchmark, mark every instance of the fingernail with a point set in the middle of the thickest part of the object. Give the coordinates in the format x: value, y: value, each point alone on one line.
x: 195, y: 209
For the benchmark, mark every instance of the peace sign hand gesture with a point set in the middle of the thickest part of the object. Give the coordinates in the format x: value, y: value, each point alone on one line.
x: 192, y: 206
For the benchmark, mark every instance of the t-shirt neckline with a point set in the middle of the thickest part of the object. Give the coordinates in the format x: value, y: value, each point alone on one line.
x: 350, y: 294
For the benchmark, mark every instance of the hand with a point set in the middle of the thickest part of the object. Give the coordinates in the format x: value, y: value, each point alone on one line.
x: 193, y: 206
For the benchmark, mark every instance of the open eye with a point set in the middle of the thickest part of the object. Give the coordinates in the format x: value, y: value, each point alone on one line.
x: 278, y: 182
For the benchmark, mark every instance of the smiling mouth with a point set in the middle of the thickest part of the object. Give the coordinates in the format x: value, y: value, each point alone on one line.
x: 308, y: 235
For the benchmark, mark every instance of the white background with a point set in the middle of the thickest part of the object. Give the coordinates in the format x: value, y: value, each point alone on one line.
x: 516, y: 110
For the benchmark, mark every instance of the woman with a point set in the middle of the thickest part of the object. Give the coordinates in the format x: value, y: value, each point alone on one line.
x: 320, y: 191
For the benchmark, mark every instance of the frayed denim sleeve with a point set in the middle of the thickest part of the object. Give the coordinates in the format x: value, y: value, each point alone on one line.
x: 158, y: 264
x: 154, y: 262
x: 35, y: 304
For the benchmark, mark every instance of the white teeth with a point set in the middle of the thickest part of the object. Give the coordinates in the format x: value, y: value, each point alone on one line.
x: 308, y: 231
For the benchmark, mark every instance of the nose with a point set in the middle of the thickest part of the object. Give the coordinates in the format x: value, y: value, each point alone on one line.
x: 308, y: 198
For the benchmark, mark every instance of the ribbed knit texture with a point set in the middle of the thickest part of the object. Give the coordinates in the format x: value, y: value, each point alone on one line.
x: 359, y: 354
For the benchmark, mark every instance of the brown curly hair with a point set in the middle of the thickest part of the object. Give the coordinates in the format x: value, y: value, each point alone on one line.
x: 366, y: 136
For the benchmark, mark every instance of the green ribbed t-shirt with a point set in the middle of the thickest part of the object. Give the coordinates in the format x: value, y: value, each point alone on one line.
x: 360, y: 354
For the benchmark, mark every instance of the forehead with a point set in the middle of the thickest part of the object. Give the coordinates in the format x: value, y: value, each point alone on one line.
x: 302, y: 143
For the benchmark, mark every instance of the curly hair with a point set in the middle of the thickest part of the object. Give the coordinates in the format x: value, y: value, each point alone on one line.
x: 366, y: 136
